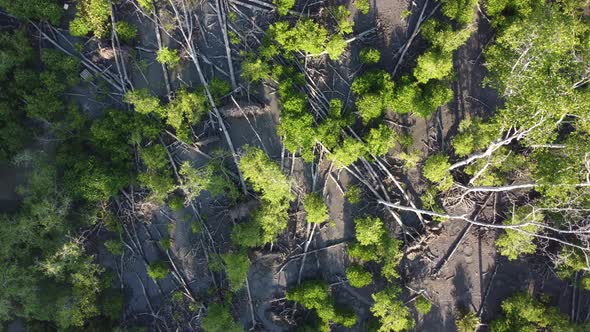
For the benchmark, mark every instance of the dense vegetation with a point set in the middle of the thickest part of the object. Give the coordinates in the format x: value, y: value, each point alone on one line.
x: 113, y: 164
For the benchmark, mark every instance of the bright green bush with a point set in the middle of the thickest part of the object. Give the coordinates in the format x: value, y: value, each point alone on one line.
x: 348, y: 152
x: 255, y: 69
x: 436, y: 169
x: 284, y: 6
x: 354, y: 194
x: 315, y: 209
x: 168, y: 57
x: 219, y: 319
x: 315, y: 295
x: 380, y: 140
x: 370, y: 56
x: 362, y: 6
x: 126, y: 31
x: 433, y: 65
x: 374, y: 93
x: 392, y: 313
x: 237, y: 266
x: 515, y: 242
x: 467, y: 322
x: 158, y: 270
x: 266, y: 177
x: 521, y: 312
x: 358, y: 277
x: 423, y: 305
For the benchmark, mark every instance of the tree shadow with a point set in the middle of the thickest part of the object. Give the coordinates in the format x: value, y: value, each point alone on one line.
x: 461, y: 292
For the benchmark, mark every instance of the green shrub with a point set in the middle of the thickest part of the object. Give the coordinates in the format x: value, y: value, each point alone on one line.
x: 176, y: 203
x: 348, y: 152
x: 80, y: 27
x: 166, y: 243
x: 522, y: 312
x: 370, y: 56
x: 255, y: 69
x: 358, y: 277
x: 354, y: 194
x: 168, y: 57
x: 284, y: 6
x: 436, y: 169
x: 237, y: 266
x: 467, y: 322
x: 126, y: 31
x: 433, y: 65
x: 423, y: 305
x: 392, y: 313
x: 315, y: 295
x: 266, y: 177
x: 158, y: 270
x: 219, y: 319
x: 362, y: 6
x: 315, y: 208
x: 247, y: 234
x: 115, y: 247
x: 374, y: 94
x: 380, y: 140
x: 513, y: 243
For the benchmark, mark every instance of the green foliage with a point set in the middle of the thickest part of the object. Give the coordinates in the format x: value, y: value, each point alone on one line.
x: 380, y: 140
x: 315, y: 295
x: 237, y: 266
x: 436, y: 169
x: 467, y: 322
x: 370, y: 56
x: 126, y: 31
x: 176, y: 203
x: 142, y: 100
x: 335, y: 46
x: 315, y: 209
x: 157, y: 178
x: 348, y: 152
x: 362, y: 6
x: 374, y: 93
x: 374, y: 244
x: 369, y: 230
x: 461, y: 11
x: 168, y: 57
x: 443, y: 37
x: 147, y: 5
x: 358, y: 277
x: 247, y: 234
x: 433, y: 65
x: 392, y: 313
x: 212, y: 178
x: 284, y: 6
x: 50, y: 10
x: 266, y: 177
x: 521, y: 312
x: 115, y: 247
x: 308, y: 37
x: 91, y: 16
x: 474, y: 134
x: 354, y: 194
x: 423, y: 305
x: 165, y: 243
x: 570, y: 260
x: 158, y: 270
x: 219, y: 319
x: 255, y: 69
x: 518, y: 241
x: 342, y: 16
